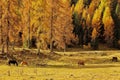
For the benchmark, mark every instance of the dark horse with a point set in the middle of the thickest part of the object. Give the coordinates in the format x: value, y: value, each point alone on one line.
x: 12, y: 62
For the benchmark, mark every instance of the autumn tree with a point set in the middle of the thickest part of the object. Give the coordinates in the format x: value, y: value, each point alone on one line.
x: 117, y: 20
x: 63, y: 25
x: 77, y: 21
x: 15, y: 19
x: 26, y: 21
x: 97, y: 23
x: 79, y: 7
x: 84, y: 26
x: 92, y: 7
x: 94, y: 40
x: 108, y: 26
x: 1, y: 25
x: 78, y: 30
x: 40, y: 24
x: 7, y: 24
x: 48, y: 24
x: 67, y: 26
x: 117, y: 24
x: 51, y: 24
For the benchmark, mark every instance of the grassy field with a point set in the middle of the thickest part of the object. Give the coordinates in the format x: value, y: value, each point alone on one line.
x: 52, y: 73
x: 62, y: 66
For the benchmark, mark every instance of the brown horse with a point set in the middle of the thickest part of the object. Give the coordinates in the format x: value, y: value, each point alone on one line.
x: 24, y: 63
x: 81, y: 63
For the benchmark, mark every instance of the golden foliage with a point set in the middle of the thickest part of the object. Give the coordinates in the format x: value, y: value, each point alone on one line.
x: 108, y: 24
x: 94, y: 34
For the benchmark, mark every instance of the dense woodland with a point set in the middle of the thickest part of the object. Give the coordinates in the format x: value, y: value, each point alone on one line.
x: 59, y: 24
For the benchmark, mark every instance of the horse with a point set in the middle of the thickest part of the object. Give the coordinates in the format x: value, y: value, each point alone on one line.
x: 14, y: 62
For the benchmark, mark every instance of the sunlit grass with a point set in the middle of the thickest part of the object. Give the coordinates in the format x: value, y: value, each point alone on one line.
x: 98, y: 66
x: 52, y: 73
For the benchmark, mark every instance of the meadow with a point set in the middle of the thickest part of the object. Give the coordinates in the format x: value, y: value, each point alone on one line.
x: 63, y: 66
x: 28, y: 73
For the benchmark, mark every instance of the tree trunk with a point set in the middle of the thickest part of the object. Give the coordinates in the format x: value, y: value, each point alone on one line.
x: 3, y: 48
x: 38, y: 46
x: 64, y: 38
x: 1, y: 35
x: 13, y: 44
x: 8, y: 25
x: 38, y: 53
x: 65, y: 48
x: 1, y: 26
x: 51, y: 28
x: 29, y: 28
x: 7, y: 44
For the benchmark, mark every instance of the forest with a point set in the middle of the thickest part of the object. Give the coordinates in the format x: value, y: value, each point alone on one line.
x: 59, y: 39
x: 59, y: 24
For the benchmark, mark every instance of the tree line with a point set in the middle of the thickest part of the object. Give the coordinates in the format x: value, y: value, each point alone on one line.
x: 59, y: 24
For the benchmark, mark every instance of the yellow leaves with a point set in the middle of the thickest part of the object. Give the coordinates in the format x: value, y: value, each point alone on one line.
x: 93, y: 6
x: 88, y: 20
x: 108, y: 24
x: 64, y: 1
x: 84, y: 14
x: 107, y: 19
x: 40, y: 21
x: 96, y: 21
x: 79, y: 6
x: 96, y: 18
x: 38, y: 4
x: 102, y: 4
x: 94, y: 33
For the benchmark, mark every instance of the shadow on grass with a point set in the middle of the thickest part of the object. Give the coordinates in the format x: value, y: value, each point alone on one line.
x: 80, y: 67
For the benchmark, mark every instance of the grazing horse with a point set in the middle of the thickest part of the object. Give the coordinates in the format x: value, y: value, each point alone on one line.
x: 12, y: 62
x: 114, y: 59
x: 24, y: 63
x: 81, y: 63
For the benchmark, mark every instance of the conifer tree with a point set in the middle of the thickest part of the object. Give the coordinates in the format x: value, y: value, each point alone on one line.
x: 108, y: 26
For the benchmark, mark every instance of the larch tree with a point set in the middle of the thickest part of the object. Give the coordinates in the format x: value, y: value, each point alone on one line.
x: 26, y: 21
x: 77, y: 21
x: 63, y: 27
x: 94, y: 42
x: 29, y: 20
x: 79, y: 6
x: 97, y: 22
x: 117, y: 12
x: 15, y: 18
x: 2, y: 32
x: 53, y: 3
x: 92, y: 7
x: 108, y: 27
x: 1, y: 26
x: 39, y: 22
x: 7, y: 24
x: 84, y: 26
x: 78, y: 29
x: 67, y: 26
x: 117, y: 24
